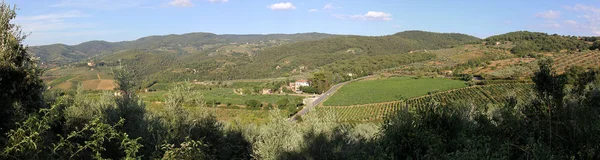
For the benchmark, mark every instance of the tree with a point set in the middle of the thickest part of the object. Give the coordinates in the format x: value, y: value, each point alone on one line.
x: 282, y: 103
x: 309, y: 89
x: 596, y: 45
x: 253, y: 103
x: 20, y: 85
x: 548, y: 85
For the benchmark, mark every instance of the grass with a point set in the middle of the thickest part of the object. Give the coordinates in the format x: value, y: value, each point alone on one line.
x: 392, y: 89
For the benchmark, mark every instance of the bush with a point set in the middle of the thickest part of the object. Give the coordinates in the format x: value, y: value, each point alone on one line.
x: 253, y: 104
x: 309, y: 89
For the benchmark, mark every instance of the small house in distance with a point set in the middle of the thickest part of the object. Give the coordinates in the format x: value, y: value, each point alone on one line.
x: 267, y: 91
x: 91, y: 64
x: 299, y: 83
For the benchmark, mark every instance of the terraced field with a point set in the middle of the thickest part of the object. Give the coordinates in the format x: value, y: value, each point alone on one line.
x: 587, y: 59
x: 477, y: 95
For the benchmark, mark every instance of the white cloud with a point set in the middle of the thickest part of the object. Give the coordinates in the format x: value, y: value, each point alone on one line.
x: 373, y: 15
x: 282, y: 6
x: 552, y: 25
x: 45, y: 28
x: 72, y: 37
x: 330, y: 6
x: 550, y: 14
x: 590, y: 16
x: 313, y: 10
x: 69, y: 14
x: 51, y: 21
x: 98, y: 4
x: 340, y: 16
x: 571, y: 22
x: 218, y: 1
x: 181, y: 3
x: 584, y: 8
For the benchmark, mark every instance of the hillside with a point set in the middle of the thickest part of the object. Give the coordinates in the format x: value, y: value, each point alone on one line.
x: 206, y: 56
x: 306, y: 56
x: 524, y: 42
x: 192, y: 42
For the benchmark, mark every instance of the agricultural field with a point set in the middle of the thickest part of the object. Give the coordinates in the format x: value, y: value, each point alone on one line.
x: 476, y: 95
x: 223, y: 96
x: 449, y: 58
x: 586, y: 59
x: 242, y: 116
x: 67, y: 78
x: 390, y: 89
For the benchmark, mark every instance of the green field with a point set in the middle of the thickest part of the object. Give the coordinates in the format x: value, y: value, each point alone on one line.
x: 392, y: 89
x: 61, y: 80
x: 222, y: 95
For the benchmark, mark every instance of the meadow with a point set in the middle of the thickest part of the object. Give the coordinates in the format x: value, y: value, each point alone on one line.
x: 391, y: 89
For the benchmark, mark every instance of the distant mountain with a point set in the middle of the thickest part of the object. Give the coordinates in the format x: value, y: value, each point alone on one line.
x: 60, y: 53
x: 63, y: 54
x: 207, y: 56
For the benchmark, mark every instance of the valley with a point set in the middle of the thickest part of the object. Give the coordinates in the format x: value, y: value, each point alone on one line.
x: 397, y: 74
x: 92, y: 79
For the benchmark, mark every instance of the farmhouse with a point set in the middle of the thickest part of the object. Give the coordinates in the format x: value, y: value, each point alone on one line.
x: 299, y: 83
x: 91, y: 64
x: 267, y: 91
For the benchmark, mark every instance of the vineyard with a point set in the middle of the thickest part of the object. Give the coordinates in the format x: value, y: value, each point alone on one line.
x: 477, y: 95
x: 587, y: 59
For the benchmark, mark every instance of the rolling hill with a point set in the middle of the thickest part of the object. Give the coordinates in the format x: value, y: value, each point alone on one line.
x: 310, y: 55
x: 63, y: 54
x: 524, y: 42
x: 206, y: 56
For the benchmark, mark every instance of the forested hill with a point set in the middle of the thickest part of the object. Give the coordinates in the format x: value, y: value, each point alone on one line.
x: 63, y: 54
x: 330, y: 50
x: 308, y: 55
x: 206, y: 56
x: 525, y: 42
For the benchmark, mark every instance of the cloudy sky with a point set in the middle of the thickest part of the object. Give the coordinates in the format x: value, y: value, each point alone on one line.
x: 76, y: 21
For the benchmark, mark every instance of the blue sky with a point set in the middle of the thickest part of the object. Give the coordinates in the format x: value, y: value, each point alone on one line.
x: 76, y: 21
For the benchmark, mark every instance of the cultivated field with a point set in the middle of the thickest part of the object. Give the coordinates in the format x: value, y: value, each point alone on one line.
x: 99, y: 84
x: 391, y: 89
x: 222, y: 96
x: 478, y: 96
x: 586, y: 59
x: 243, y: 116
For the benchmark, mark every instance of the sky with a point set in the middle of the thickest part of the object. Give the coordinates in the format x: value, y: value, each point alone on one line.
x: 76, y: 21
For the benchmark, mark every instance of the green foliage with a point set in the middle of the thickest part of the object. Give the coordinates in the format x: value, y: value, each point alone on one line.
x: 595, y: 45
x: 466, y: 77
x: 367, y: 65
x: 548, y: 85
x: 187, y: 150
x: 527, y: 42
x: 255, y: 104
x: 33, y: 139
x: 309, y: 89
x: 20, y: 85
